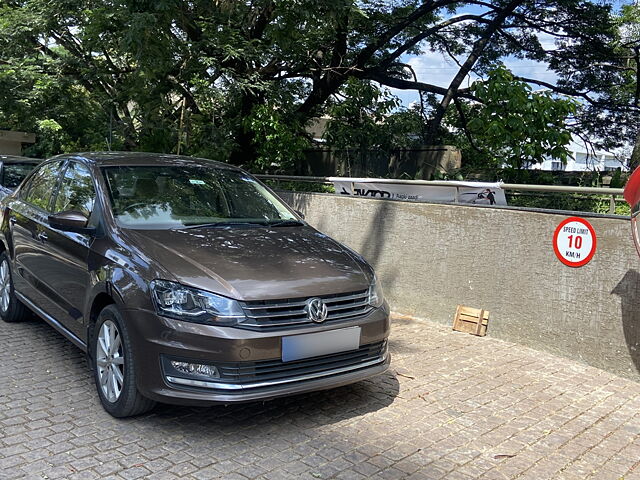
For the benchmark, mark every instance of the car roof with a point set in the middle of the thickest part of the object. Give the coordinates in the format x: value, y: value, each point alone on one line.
x: 18, y: 159
x: 117, y: 159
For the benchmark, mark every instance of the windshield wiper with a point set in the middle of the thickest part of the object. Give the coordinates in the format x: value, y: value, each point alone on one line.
x: 286, y: 223
x: 262, y: 223
x: 220, y: 224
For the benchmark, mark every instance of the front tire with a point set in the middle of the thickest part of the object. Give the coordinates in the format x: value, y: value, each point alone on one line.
x: 114, y: 366
x: 11, y: 309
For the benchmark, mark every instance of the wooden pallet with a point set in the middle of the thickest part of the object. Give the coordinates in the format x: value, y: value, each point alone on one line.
x: 471, y: 320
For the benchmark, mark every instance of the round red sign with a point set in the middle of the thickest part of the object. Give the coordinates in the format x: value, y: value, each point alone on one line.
x: 574, y: 242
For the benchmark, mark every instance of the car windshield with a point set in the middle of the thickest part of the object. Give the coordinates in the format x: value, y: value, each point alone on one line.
x: 165, y: 197
x: 14, y: 173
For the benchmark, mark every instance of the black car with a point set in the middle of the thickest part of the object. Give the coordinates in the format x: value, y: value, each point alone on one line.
x: 13, y: 169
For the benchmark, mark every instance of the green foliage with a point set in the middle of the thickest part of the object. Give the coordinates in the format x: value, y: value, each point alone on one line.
x: 606, y: 74
x: 516, y: 126
x: 628, y: 93
x: 359, y: 119
x: 52, y: 138
x: 238, y: 81
x: 279, y: 146
x: 568, y: 202
x: 557, y: 201
x: 58, y: 110
x: 300, y: 186
x: 368, y: 123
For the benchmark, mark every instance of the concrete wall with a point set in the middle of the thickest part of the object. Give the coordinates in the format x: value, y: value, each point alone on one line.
x: 433, y: 257
x: 11, y: 142
x: 422, y: 161
x: 10, y: 148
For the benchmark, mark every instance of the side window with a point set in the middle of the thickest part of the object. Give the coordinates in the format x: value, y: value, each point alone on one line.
x: 76, y: 190
x: 40, y: 186
x: 14, y: 173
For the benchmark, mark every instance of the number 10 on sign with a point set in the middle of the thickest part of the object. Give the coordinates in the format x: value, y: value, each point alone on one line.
x: 574, y: 242
x: 578, y: 242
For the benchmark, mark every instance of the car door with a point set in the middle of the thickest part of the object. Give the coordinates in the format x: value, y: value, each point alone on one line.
x: 27, y: 222
x: 62, y: 265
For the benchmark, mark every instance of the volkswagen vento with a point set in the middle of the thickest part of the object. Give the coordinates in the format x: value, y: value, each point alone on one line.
x: 186, y: 281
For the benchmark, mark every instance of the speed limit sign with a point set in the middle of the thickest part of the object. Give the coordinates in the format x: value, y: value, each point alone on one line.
x: 574, y: 242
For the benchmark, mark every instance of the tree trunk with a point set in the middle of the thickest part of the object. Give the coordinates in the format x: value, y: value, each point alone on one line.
x: 476, y: 52
x: 635, y: 155
x: 245, y: 152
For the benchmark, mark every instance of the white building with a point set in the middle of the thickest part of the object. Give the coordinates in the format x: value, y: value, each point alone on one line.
x: 582, y: 159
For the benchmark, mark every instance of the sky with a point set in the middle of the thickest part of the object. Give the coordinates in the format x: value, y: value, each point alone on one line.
x: 434, y: 68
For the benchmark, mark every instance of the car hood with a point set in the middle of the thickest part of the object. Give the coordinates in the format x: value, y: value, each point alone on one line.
x: 255, y: 263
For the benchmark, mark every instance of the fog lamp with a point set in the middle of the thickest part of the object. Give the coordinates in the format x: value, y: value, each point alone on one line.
x: 196, y: 369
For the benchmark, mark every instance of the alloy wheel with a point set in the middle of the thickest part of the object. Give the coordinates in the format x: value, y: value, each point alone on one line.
x: 110, y: 360
x: 5, y: 286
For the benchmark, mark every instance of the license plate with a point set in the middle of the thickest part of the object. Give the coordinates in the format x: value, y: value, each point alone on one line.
x: 296, y: 347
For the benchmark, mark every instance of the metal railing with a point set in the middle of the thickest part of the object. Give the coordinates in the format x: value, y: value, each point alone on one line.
x: 612, y: 193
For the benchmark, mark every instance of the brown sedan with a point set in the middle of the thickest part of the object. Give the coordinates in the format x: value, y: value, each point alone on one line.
x: 186, y: 281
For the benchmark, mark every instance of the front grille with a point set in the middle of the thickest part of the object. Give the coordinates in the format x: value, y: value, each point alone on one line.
x: 290, y: 312
x: 273, y: 370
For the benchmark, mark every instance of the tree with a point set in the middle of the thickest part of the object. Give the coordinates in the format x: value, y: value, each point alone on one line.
x: 628, y: 93
x: 140, y: 66
x: 367, y: 124
x: 514, y: 126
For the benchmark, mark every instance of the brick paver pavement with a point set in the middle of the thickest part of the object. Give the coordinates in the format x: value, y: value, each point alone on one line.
x: 453, y: 406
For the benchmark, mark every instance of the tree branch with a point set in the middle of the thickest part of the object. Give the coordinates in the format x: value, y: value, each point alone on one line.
x: 636, y: 52
x: 324, y: 86
x: 476, y: 51
x: 384, y: 38
x: 463, y: 118
x: 262, y: 20
x: 555, y: 88
x: 430, y: 31
x: 402, y: 84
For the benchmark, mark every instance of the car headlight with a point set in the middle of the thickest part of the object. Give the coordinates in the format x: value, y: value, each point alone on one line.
x: 376, y: 297
x: 192, y: 305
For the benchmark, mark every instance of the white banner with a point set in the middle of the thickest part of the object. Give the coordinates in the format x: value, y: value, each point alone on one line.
x: 478, y: 193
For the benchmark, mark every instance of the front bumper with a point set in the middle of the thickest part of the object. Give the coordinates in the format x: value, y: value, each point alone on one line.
x: 238, y: 350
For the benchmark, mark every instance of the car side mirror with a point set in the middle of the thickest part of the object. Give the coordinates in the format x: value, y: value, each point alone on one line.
x: 71, y: 221
x: 300, y: 214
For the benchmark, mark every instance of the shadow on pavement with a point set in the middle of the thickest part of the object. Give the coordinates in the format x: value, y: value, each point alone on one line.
x: 311, y: 409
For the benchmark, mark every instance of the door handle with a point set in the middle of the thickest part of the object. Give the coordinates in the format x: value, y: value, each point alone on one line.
x: 42, y: 237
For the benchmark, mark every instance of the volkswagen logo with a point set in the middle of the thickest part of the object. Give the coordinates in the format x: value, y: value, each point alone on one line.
x: 316, y: 310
